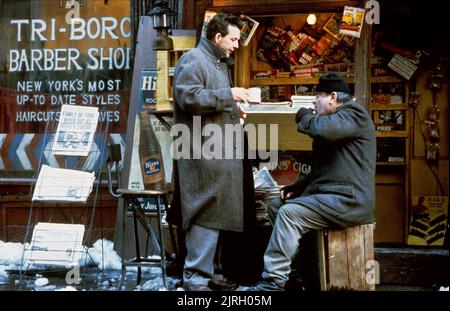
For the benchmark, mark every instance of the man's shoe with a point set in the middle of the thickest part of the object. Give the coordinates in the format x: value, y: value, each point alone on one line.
x: 222, y: 285
x: 196, y: 288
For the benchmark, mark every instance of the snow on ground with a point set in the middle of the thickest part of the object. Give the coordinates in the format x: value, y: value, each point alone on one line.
x: 109, y: 260
x: 11, y: 256
x: 101, y: 254
x: 3, y: 275
x: 157, y: 284
x: 10, y: 253
x: 66, y: 289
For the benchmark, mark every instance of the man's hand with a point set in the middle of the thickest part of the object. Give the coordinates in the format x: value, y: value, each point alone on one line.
x: 240, y: 94
x: 301, y: 113
x: 287, y: 192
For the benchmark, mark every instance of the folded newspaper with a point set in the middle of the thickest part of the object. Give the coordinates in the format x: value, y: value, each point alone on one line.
x: 59, y: 184
x: 76, y: 129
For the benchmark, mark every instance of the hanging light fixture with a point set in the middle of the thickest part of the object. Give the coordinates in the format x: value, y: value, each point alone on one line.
x: 162, y: 15
x: 311, y: 19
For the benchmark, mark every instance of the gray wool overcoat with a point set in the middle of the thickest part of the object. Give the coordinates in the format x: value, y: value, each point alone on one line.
x: 341, y: 186
x: 209, y: 191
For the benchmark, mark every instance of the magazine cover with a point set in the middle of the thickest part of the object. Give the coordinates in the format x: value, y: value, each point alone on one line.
x: 248, y: 29
x: 249, y: 26
x: 76, y: 129
x: 352, y: 21
x: 428, y: 220
x: 389, y: 120
x: 332, y: 27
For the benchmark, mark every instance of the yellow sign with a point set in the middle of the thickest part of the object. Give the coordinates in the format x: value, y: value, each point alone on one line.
x: 428, y: 220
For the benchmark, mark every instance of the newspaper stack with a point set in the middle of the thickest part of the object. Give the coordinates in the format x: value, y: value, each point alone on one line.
x: 266, y: 189
x: 302, y: 101
x: 55, y: 244
x: 59, y: 184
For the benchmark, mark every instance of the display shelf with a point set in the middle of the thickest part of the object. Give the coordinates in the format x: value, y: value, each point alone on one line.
x: 392, y: 143
x: 183, y: 41
x: 391, y: 163
x: 386, y: 79
x: 389, y: 107
x: 290, y: 81
x: 394, y: 134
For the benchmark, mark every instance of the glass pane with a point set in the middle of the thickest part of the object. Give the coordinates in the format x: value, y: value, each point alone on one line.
x: 63, y: 52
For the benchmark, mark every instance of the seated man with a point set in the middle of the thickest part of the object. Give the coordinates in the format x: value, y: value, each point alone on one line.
x: 339, y: 192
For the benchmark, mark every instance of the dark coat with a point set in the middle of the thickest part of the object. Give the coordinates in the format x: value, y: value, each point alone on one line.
x: 209, y: 192
x: 341, y: 186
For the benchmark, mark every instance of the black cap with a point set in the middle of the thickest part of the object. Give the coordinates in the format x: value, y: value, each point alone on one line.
x: 331, y: 82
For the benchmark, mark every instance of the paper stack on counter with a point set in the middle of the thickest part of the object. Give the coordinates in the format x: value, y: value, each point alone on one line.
x: 302, y: 101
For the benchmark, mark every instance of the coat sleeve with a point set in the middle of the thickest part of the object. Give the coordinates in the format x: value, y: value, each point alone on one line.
x: 301, y: 183
x: 344, y: 123
x: 190, y: 92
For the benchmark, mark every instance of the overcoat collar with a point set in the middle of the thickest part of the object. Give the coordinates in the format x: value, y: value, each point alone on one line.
x: 217, y: 54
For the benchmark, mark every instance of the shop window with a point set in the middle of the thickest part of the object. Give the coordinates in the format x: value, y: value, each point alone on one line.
x: 63, y: 52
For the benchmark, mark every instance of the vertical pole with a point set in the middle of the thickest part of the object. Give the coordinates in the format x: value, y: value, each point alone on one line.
x: 136, y: 241
x: 162, y: 248
x: 362, y: 67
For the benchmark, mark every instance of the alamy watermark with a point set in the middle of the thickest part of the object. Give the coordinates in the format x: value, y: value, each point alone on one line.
x: 226, y: 141
x: 73, y: 275
x: 372, y: 272
x: 373, y: 12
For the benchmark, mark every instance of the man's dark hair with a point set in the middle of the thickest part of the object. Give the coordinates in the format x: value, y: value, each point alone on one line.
x: 219, y: 24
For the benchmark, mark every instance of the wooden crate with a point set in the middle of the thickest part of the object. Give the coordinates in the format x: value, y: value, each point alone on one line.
x: 346, y: 259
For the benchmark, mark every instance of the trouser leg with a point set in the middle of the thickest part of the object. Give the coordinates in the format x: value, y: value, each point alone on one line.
x: 201, y: 243
x: 273, y: 208
x: 291, y: 222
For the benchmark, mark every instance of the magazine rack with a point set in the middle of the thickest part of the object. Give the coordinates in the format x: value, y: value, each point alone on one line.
x: 91, y: 163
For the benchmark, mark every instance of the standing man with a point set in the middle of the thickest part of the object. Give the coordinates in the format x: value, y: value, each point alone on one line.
x: 339, y: 192
x: 209, y: 189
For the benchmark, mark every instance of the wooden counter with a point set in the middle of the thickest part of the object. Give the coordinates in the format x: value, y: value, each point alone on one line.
x: 289, y: 139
